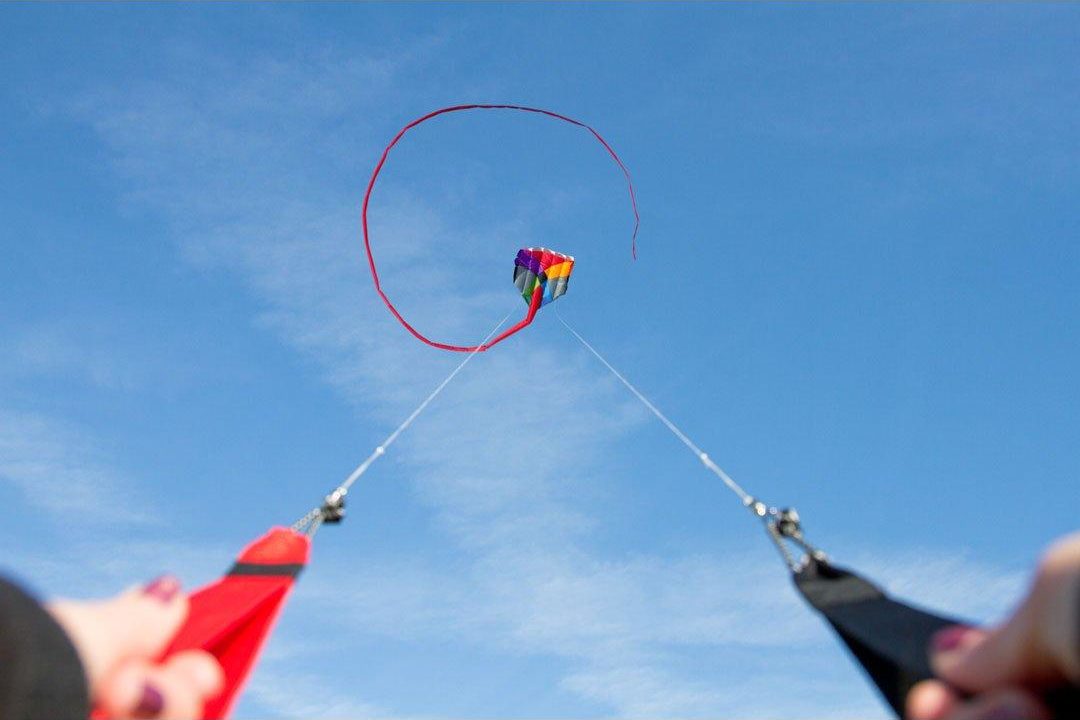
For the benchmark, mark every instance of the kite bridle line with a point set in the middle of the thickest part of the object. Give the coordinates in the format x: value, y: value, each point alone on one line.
x: 333, y: 508
x: 782, y: 525
x: 490, y: 342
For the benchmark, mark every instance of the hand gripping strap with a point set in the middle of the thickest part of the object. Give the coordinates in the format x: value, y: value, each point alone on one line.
x: 232, y: 617
x: 890, y: 639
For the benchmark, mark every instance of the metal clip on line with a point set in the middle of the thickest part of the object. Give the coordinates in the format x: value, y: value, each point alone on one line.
x: 331, y: 511
x: 784, y: 528
x: 333, y: 507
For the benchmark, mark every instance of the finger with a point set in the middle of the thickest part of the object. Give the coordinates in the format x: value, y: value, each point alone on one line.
x: 930, y: 700
x: 144, y: 620
x: 176, y: 690
x: 955, y: 648
x: 136, y: 624
x: 1008, y: 704
x: 201, y: 671
x: 976, y: 661
x: 1039, y: 645
x: 1060, y: 571
x: 135, y: 690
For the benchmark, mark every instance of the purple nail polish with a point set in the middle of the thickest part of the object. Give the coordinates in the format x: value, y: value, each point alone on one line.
x: 163, y: 588
x: 151, y: 703
x: 950, y: 638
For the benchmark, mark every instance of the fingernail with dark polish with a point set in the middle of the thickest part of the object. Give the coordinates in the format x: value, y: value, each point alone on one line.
x: 151, y: 703
x: 164, y: 588
x: 949, y: 638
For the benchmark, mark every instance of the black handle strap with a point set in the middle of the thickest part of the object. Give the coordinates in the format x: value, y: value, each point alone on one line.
x: 887, y: 637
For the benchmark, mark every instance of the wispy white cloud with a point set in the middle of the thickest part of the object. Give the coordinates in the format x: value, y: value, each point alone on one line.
x: 295, y: 694
x: 52, y: 351
x: 66, y: 476
x: 91, y: 351
x: 60, y: 468
x: 944, y: 581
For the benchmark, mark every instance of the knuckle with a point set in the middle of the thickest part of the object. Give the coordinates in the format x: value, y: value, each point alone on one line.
x: 181, y: 701
x: 1062, y: 559
x: 201, y: 669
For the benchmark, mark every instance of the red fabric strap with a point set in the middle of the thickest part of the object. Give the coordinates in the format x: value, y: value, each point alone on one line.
x: 232, y: 617
x: 532, y: 310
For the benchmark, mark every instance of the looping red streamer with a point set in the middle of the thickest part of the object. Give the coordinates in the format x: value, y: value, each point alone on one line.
x: 535, y: 304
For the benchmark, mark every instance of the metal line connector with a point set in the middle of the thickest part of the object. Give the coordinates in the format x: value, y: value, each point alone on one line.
x: 333, y: 507
x: 784, y: 527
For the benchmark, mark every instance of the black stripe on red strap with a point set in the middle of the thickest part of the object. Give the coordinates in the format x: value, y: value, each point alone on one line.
x: 283, y: 570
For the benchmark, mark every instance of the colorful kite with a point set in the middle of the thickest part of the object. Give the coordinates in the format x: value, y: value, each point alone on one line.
x: 556, y: 289
x: 542, y: 271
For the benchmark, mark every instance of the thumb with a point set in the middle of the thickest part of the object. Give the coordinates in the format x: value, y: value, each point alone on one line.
x: 1039, y: 646
x: 135, y: 624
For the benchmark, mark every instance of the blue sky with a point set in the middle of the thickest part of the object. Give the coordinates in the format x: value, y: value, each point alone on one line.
x: 856, y: 288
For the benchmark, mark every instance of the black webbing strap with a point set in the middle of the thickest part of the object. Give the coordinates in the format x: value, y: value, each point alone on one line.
x: 888, y: 638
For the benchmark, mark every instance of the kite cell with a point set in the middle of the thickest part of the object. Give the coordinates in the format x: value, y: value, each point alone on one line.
x: 544, y: 271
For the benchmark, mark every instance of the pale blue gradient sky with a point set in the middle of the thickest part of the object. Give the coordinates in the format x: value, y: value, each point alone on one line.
x: 857, y: 289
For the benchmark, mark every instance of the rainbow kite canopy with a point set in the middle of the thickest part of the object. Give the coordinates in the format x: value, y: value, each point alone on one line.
x: 542, y: 268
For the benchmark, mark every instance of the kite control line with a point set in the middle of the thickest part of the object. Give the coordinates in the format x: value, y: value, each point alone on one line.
x: 232, y: 617
x: 782, y: 525
x: 333, y: 508
x: 535, y: 304
x: 888, y: 638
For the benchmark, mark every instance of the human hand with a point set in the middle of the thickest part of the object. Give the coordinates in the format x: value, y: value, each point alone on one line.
x: 120, y: 641
x: 1007, y: 671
